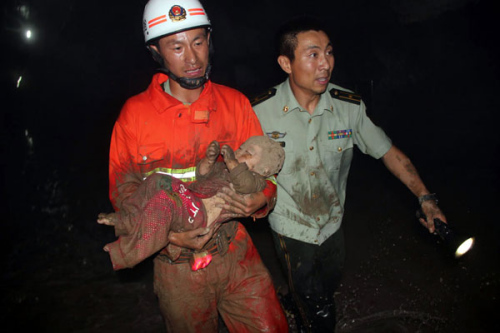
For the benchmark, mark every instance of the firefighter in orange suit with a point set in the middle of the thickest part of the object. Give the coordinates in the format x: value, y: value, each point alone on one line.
x: 166, y: 129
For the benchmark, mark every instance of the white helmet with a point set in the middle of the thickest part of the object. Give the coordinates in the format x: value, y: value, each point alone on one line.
x: 165, y: 17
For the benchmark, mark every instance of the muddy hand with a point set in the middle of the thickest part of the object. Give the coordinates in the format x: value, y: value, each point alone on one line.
x: 431, y: 212
x: 229, y: 157
x: 238, y: 205
x: 228, y: 153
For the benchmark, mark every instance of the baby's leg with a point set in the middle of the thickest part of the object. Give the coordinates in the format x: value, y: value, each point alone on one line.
x: 173, y: 207
x: 107, y: 218
x: 149, y: 233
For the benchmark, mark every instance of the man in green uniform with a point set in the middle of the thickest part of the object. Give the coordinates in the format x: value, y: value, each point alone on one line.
x: 318, y: 125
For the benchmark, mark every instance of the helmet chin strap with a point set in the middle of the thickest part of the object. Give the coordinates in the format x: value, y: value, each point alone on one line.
x: 188, y: 83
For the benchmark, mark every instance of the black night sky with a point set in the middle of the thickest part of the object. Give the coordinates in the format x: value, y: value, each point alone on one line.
x: 428, y: 71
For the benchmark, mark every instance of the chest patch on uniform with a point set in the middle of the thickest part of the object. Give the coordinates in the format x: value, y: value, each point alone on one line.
x: 201, y: 116
x: 340, y: 134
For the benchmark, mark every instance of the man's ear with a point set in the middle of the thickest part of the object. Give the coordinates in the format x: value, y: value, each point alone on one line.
x: 285, y: 64
x: 155, y: 48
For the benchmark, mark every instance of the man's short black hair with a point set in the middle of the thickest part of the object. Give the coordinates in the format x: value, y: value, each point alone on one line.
x: 287, y: 34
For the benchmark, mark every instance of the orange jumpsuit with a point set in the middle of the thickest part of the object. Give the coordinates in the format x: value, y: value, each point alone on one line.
x: 157, y: 133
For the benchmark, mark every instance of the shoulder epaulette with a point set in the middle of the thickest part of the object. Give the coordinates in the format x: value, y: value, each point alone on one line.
x: 346, y: 96
x: 262, y: 97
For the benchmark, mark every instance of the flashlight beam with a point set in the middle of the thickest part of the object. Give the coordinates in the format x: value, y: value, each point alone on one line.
x: 464, y: 247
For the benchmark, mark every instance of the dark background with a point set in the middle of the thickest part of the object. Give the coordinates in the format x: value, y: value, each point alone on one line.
x: 428, y: 71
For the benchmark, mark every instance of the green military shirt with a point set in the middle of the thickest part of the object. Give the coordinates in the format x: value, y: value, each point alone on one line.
x: 318, y: 153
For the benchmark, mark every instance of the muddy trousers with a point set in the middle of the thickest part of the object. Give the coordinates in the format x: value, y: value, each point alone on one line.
x: 313, y: 274
x: 236, y: 285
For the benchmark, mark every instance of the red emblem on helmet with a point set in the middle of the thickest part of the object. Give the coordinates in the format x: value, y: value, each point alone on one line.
x: 177, y: 13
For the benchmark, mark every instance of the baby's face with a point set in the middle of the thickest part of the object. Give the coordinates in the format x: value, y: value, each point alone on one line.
x: 250, y: 154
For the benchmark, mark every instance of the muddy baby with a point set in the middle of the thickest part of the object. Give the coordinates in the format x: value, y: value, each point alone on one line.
x: 163, y: 203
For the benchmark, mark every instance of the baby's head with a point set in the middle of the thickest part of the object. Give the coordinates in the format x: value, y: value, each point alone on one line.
x: 262, y: 155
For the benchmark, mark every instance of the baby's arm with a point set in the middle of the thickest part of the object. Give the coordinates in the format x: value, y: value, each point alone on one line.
x: 207, y: 163
x: 244, y: 181
x: 229, y: 158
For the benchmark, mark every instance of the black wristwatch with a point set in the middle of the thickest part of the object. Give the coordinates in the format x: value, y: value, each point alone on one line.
x: 425, y: 197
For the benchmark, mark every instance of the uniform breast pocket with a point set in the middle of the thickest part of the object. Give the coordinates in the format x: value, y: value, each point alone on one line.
x: 289, y: 165
x: 335, y: 152
x: 150, y: 157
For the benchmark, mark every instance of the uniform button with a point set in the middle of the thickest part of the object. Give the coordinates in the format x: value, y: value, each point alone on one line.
x: 312, y: 173
x: 315, y: 241
x: 144, y: 158
x: 315, y: 197
x: 311, y: 148
x: 339, y: 149
x: 310, y: 120
x: 317, y: 219
x: 285, y: 108
x: 331, y: 107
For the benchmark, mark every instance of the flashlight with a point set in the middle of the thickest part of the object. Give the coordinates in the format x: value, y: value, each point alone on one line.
x: 460, y: 245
